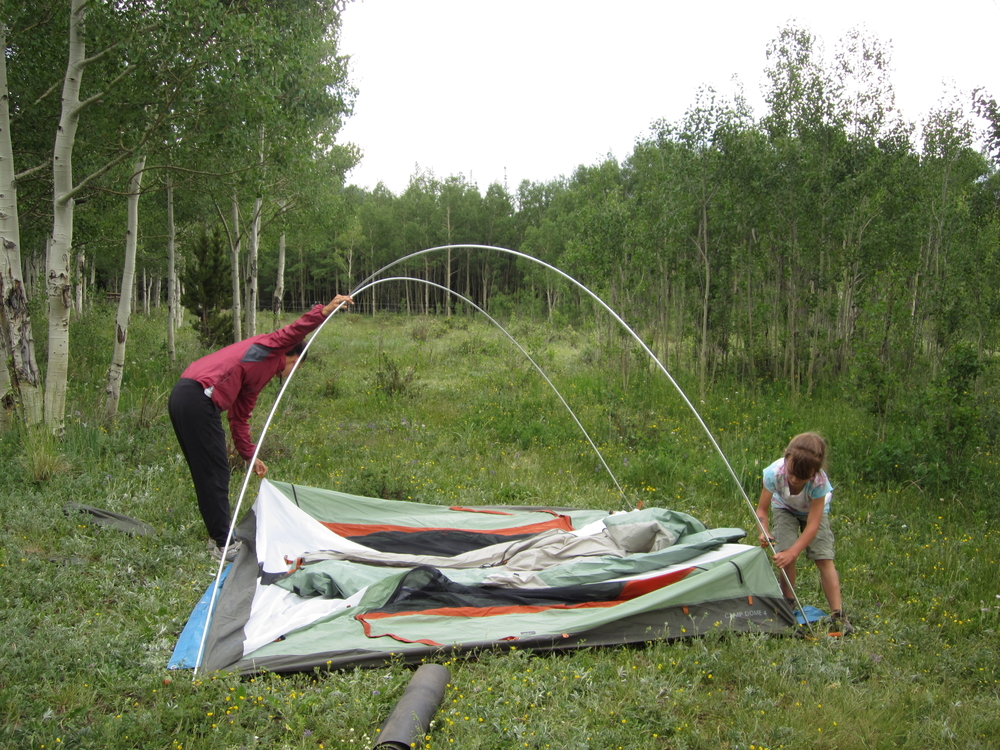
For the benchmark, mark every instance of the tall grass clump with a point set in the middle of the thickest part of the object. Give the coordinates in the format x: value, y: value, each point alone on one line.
x: 43, y: 457
x: 393, y: 379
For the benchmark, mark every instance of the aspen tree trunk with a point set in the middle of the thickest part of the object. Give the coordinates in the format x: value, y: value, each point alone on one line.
x: 279, y: 284
x: 484, y: 299
x: 663, y: 316
x: 33, y: 266
x: 234, y: 244
x: 58, y: 272
x: 427, y: 288
x: 14, y: 317
x: 78, y: 286
x: 302, y: 280
x: 703, y: 247
x: 468, y: 278
x: 752, y: 376
x: 252, y: 251
x: 447, y: 273
x: 171, y: 273
x: 113, y: 390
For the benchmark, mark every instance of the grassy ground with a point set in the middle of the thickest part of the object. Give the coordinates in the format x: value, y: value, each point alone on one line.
x: 447, y: 412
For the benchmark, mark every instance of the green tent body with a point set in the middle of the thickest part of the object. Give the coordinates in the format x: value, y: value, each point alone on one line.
x: 326, y: 579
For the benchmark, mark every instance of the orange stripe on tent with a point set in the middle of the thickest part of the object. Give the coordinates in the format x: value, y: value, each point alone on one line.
x: 480, y: 510
x: 635, y: 589
x: 559, y: 523
x: 513, y: 609
x: 368, y: 633
x: 631, y: 590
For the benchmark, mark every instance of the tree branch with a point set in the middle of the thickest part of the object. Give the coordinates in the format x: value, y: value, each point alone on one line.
x: 100, y: 95
x: 31, y: 170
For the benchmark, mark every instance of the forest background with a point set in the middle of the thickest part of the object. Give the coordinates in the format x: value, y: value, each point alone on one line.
x: 825, y: 247
x: 171, y: 179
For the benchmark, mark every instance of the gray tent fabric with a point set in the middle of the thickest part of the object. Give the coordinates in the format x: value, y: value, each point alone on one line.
x: 334, y: 578
x: 110, y: 519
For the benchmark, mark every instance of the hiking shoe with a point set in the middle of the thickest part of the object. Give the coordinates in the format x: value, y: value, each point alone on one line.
x: 840, y: 625
x: 216, y: 551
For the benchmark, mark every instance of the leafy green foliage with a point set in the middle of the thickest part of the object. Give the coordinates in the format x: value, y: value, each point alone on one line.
x: 208, y: 291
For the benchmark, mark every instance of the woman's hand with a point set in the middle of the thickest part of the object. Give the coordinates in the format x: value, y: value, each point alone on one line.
x: 259, y: 468
x: 340, y: 299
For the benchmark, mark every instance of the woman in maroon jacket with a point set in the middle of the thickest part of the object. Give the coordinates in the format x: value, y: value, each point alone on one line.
x: 229, y: 380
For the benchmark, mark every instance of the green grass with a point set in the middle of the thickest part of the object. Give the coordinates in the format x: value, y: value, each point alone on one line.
x: 90, y: 616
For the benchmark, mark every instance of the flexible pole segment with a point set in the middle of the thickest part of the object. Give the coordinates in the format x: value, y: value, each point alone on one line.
x: 638, y: 340
x: 372, y: 280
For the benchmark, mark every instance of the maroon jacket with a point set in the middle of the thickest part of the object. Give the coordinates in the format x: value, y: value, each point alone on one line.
x: 238, y: 372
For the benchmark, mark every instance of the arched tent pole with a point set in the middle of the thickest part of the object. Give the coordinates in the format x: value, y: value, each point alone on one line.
x: 367, y: 283
x: 284, y: 386
x: 638, y: 340
x: 243, y: 489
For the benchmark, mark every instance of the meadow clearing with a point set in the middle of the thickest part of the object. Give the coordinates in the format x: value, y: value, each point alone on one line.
x: 447, y: 411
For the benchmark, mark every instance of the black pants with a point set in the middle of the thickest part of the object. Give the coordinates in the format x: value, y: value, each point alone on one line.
x: 197, y: 423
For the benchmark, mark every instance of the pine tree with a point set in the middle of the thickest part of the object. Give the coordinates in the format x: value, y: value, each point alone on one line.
x: 207, y: 291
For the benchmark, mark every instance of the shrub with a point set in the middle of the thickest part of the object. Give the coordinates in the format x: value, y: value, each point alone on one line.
x: 392, y: 379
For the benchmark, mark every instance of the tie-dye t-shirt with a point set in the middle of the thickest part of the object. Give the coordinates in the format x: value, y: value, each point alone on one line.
x: 777, y: 483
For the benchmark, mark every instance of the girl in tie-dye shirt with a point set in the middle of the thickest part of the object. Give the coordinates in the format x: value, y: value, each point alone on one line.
x: 799, y: 492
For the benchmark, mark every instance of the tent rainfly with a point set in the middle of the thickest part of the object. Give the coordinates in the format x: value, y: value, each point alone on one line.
x: 330, y: 580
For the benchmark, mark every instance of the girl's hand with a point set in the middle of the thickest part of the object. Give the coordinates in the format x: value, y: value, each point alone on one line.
x: 259, y: 468
x: 784, y: 559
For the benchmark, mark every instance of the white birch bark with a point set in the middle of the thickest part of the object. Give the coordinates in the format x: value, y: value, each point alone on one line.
x: 178, y: 293
x: 34, y: 266
x: 17, y: 335
x: 279, y: 284
x: 79, y: 287
x: 447, y: 265
x: 112, y: 392
x: 171, y: 273
x: 252, y: 251
x: 57, y: 266
x: 235, y: 241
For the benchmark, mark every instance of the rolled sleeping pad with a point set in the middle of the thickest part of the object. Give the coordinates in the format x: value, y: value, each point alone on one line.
x: 411, y: 717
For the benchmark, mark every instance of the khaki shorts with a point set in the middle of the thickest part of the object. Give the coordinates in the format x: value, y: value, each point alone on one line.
x: 786, y: 529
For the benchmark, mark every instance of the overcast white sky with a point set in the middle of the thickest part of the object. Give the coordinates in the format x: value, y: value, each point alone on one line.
x: 530, y: 89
